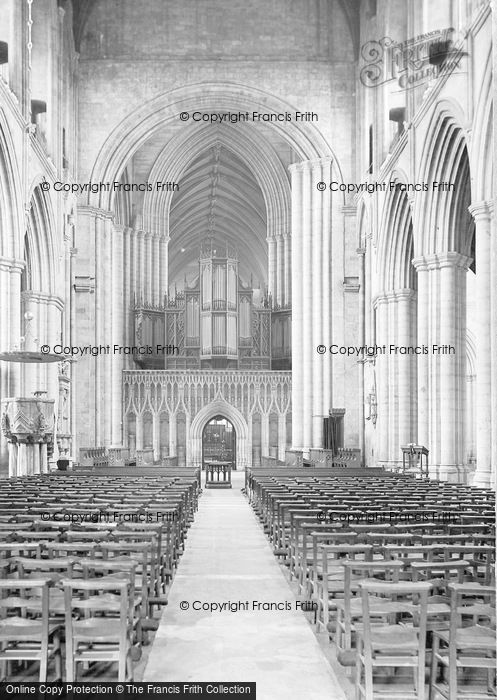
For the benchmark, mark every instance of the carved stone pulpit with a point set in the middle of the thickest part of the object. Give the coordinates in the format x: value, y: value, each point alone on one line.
x: 28, y: 425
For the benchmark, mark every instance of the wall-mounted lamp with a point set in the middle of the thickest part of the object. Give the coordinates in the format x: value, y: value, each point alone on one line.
x: 373, y: 408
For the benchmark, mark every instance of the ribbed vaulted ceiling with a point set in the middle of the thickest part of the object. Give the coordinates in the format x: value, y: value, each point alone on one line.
x: 218, y: 197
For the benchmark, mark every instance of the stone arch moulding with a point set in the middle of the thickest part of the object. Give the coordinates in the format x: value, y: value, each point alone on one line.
x: 194, y: 438
x: 393, y: 244
x: 441, y: 158
x: 40, y: 228
x: 306, y: 140
x: 11, y: 209
x: 175, y: 158
x: 480, y: 150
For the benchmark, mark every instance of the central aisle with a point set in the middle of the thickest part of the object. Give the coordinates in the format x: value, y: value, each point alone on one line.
x: 228, y: 558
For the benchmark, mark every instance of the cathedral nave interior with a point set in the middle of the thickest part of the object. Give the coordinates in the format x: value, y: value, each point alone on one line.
x: 248, y: 323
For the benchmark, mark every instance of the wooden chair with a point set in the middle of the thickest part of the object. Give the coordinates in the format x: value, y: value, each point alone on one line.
x: 27, y: 639
x: 394, y: 645
x: 324, y: 535
x: 142, y: 554
x: 49, y: 569
x: 111, y: 569
x: 328, y: 582
x: 349, y: 608
x: 481, y: 557
x: 98, y: 624
x: 469, y: 643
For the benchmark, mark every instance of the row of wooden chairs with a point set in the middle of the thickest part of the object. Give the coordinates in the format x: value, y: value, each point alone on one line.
x: 78, y: 577
x: 332, y: 534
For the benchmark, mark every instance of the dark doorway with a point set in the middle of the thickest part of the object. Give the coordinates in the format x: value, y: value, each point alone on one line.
x: 219, y: 442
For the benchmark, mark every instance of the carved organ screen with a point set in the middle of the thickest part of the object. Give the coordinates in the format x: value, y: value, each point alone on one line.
x: 216, y: 322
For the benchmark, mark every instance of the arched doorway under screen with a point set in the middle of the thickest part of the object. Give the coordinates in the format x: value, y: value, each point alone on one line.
x: 219, y: 441
x: 219, y: 407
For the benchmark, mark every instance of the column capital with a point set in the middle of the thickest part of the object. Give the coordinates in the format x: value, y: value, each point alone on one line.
x: 309, y: 164
x: 435, y: 261
x: 425, y: 262
x: 380, y: 298
x: 11, y: 264
x: 42, y: 298
x: 388, y: 296
x: 404, y: 294
x: 452, y: 259
x: 97, y: 212
x: 481, y: 211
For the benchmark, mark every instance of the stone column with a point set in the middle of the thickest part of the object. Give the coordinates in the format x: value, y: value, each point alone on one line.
x: 54, y: 311
x: 493, y: 332
x: 188, y: 421
x: 271, y: 261
x: 149, y: 268
x: 94, y: 307
x: 326, y: 291
x: 482, y: 215
x: 14, y: 323
x: 156, y: 435
x: 265, y: 435
x: 250, y: 447
x: 281, y: 436
x: 361, y: 342
x: 307, y: 338
x: 156, y: 299
x: 311, y: 323
x: 127, y: 270
x: 280, y: 263
x: 10, y: 334
x: 316, y: 273
x: 451, y: 407
x: 297, y: 176
x: 392, y: 377
x: 97, y: 331
x: 106, y: 361
x: 382, y: 389
x: 423, y: 361
x: 133, y: 266
x: 470, y: 419
x: 164, y: 263
x: 405, y: 367
x: 287, y: 296
x: 118, y: 336
x: 140, y: 265
x: 441, y: 381
x: 139, y: 432
x: 172, y: 435
x: 13, y: 450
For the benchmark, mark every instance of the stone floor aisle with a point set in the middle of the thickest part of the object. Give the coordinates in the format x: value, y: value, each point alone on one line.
x: 228, y: 558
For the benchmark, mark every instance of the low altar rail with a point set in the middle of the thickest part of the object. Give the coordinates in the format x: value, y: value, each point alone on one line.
x: 214, y: 470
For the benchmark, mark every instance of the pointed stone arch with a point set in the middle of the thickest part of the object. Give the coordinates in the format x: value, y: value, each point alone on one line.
x: 442, y: 216
x: 396, y: 245
x: 305, y: 139
x: 11, y: 209
x: 40, y: 229
x: 219, y: 407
